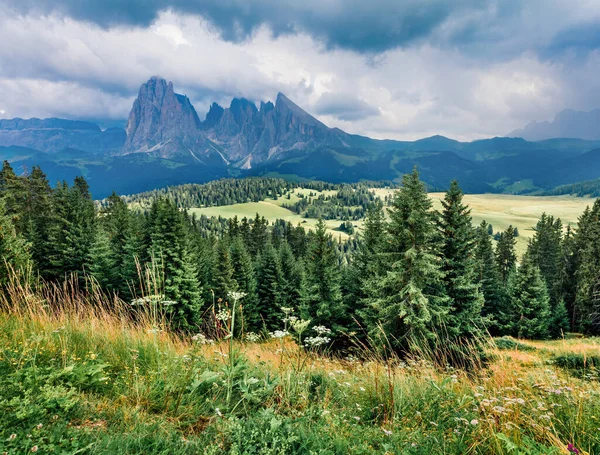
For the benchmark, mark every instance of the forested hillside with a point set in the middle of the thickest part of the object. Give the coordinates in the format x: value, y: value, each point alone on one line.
x: 413, y: 273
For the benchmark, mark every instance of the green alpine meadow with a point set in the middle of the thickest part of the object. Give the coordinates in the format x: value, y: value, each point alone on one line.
x: 281, y: 227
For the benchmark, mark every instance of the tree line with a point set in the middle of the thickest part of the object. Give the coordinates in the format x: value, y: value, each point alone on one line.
x: 414, y: 274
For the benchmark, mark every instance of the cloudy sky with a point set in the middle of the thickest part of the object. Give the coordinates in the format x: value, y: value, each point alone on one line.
x: 400, y: 69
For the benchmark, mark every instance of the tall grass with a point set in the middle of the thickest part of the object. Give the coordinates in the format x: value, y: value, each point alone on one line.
x: 83, y: 372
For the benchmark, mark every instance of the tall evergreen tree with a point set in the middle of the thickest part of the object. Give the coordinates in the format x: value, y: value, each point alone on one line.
x: 587, y: 301
x: 489, y: 277
x: 506, y: 255
x: 365, y: 267
x: 267, y: 312
x: 38, y: 218
x: 170, y: 249
x: 12, y: 192
x: 14, y: 254
x: 223, y: 282
x: 409, y: 300
x: 243, y: 273
x: 292, y: 285
x: 323, y: 303
x: 459, y: 265
x: 530, y: 303
x: 72, y: 232
x: 545, y: 251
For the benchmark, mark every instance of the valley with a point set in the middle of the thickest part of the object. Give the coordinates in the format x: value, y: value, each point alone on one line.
x: 499, y: 210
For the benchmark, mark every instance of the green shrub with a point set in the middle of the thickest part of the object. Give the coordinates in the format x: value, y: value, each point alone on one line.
x: 509, y: 344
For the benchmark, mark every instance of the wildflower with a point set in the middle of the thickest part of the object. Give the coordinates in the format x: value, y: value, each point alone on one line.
x: 279, y: 334
x: 218, y: 412
x: 34, y: 449
x: 322, y: 330
x: 252, y: 337
x: 474, y: 422
x: 12, y: 436
x: 200, y: 338
x: 223, y: 315
x: 39, y: 426
x: 386, y: 432
x: 356, y: 418
x: 572, y: 449
x: 236, y: 295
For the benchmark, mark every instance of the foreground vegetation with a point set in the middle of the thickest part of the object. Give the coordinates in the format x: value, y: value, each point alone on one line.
x: 79, y: 378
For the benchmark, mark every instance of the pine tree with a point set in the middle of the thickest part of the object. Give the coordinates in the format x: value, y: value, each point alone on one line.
x: 72, y: 232
x: 38, y: 218
x: 12, y: 192
x: 267, y: 312
x: 292, y: 285
x: 323, y: 303
x: 170, y: 249
x: 545, y: 251
x: 243, y: 273
x: 506, y: 256
x: 530, y: 303
x: 223, y: 282
x: 366, y: 267
x: 119, y: 227
x: 489, y: 277
x: 409, y: 301
x: 459, y: 265
x: 102, y: 266
x: 14, y: 254
x: 587, y: 301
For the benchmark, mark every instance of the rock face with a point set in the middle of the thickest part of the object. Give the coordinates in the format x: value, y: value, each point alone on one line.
x: 54, y: 135
x: 165, y: 123
x: 161, y: 121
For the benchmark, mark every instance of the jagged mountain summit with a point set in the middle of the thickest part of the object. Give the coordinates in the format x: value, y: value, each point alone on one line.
x: 166, y: 143
x: 165, y: 123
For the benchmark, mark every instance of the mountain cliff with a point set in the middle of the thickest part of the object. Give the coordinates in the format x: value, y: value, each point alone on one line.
x: 165, y: 123
x: 167, y: 143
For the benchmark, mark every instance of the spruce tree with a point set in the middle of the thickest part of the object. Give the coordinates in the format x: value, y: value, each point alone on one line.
x: 545, y: 251
x: 38, y: 218
x: 12, y: 192
x: 459, y: 265
x: 530, y: 303
x: 292, y: 285
x: 72, y: 232
x: 171, y: 251
x: 506, y: 256
x: 14, y: 254
x: 323, y: 303
x: 223, y: 282
x: 267, y: 312
x: 587, y: 301
x: 243, y: 273
x: 489, y: 278
x: 409, y: 302
x: 102, y: 266
x: 119, y: 226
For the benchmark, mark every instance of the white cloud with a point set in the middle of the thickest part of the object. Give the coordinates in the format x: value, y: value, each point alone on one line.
x: 63, y: 67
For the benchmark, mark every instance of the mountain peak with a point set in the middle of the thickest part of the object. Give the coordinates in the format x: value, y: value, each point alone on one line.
x: 158, y: 116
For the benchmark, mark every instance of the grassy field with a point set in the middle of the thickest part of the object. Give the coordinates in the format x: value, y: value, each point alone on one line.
x: 86, y: 381
x: 501, y: 210
x: 273, y: 210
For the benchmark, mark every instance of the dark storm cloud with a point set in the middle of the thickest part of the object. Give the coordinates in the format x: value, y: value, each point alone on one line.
x: 344, y: 107
x: 353, y: 24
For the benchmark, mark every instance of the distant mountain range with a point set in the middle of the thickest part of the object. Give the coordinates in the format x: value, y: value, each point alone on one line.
x: 568, y: 123
x: 166, y: 143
